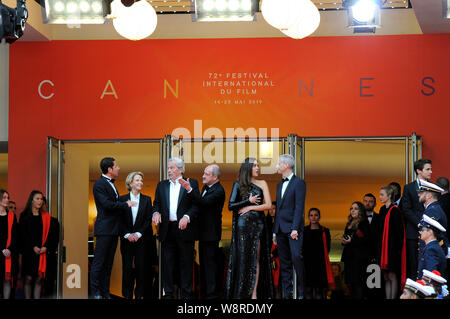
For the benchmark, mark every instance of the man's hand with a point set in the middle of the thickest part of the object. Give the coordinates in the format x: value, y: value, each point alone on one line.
x: 6, y: 253
x: 183, y: 223
x: 156, y: 218
x: 294, y: 234
x: 37, y: 250
x: 274, y: 240
x: 131, y: 204
x: 185, y: 184
x: 43, y: 250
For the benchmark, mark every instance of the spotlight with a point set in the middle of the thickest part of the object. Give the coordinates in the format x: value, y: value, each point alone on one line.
x: 12, y: 21
x: 225, y: 10
x: 363, y: 15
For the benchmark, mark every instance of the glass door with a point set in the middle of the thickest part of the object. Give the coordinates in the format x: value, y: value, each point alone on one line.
x: 55, y: 164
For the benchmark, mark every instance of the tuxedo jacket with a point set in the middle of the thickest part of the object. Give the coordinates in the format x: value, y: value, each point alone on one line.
x: 143, y: 220
x: 109, y: 209
x: 412, y: 209
x: 290, y: 213
x: 186, y: 206
x: 210, y: 212
x: 375, y: 229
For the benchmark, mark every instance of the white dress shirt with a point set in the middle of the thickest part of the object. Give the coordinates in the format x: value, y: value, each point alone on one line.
x: 285, y: 184
x: 112, y: 185
x: 174, y: 194
x: 134, y: 211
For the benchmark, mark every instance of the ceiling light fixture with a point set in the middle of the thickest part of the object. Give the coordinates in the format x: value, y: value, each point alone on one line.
x: 224, y: 10
x: 307, y: 23
x: 363, y: 15
x: 295, y: 18
x: 135, y: 22
x: 74, y: 12
x: 446, y: 9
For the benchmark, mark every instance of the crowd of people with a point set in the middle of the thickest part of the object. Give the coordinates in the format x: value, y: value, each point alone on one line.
x: 406, y: 238
x: 270, y: 256
x: 29, y: 243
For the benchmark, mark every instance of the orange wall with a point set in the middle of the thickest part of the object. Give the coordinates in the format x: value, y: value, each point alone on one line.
x: 80, y: 71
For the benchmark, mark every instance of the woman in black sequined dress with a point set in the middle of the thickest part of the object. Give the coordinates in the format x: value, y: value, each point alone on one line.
x: 249, y: 274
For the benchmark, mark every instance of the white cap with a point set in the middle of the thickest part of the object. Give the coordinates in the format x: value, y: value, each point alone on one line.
x: 419, y: 288
x: 434, y: 275
x: 429, y: 222
x: 425, y: 186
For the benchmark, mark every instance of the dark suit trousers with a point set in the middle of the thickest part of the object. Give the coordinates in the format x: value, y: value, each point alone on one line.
x: 290, y: 254
x: 208, y: 268
x: 105, y: 249
x: 177, y: 263
x: 412, y: 257
x: 133, y: 268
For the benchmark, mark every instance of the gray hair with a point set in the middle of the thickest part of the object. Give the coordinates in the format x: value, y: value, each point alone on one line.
x: 215, y: 170
x: 178, y: 161
x: 287, y: 159
x: 130, y: 178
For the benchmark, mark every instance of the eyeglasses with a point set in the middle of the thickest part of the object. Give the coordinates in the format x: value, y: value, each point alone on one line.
x: 422, y: 229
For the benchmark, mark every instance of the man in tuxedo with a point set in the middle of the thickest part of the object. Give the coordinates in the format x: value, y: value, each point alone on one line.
x: 175, y: 211
x: 289, y: 224
x: 210, y: 204
x: 106, y: 227
x: 369, y: 202
x: 413, y: 211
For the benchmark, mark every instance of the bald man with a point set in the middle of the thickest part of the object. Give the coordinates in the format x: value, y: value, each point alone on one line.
x: 210, y: 202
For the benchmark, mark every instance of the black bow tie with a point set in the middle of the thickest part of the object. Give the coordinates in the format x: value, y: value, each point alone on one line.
x: 285, y: 180
x: 111, y: 180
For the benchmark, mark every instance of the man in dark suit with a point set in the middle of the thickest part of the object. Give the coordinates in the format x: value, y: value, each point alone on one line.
x: 413, y: 211
x: 289, y: 224
x: 444, y: 200
x: 106, y: 227
x: 210, y: 204
x: 369, y: 202
x: 135, y: 238
x: 175, y: 211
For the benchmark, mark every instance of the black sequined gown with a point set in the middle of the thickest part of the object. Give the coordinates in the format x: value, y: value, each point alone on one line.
x: 249, y: 231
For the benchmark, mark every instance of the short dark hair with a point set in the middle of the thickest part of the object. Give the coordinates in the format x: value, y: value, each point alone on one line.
x: 314, y: 209
x: 442, y: 182
x: 106, y: 163
x: 372, y: 196
x: 420, y: 164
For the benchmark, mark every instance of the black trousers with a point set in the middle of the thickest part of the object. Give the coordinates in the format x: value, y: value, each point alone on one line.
x: 177, y: 263
x: 134, y: 268
x: 105, y: 249
x: 290, y: 254
x: 412, y: 258
x: 208, y: 256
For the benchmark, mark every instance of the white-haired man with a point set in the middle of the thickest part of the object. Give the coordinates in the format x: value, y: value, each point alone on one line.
x: 289, y: 224
x: 175, y: 211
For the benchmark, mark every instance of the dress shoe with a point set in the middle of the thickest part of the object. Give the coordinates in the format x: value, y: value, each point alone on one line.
x: 98, y: 297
